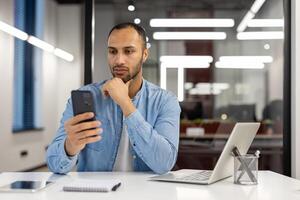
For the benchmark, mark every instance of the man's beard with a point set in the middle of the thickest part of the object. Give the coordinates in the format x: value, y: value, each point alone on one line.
x: 128, y: 77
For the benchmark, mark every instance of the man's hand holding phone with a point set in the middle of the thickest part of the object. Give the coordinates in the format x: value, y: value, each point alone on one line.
x: 81, y: 132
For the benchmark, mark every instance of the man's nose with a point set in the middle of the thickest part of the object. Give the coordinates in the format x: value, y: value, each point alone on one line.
x: 120, y: 59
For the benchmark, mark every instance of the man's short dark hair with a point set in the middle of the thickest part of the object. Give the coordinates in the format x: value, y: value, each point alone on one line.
x: 140, y: 30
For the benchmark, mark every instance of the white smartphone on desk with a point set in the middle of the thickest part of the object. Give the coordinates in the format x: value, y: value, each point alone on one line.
x: 25, y: 186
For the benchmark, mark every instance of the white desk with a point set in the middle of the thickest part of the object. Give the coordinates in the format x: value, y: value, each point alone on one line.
x: 272, y: 186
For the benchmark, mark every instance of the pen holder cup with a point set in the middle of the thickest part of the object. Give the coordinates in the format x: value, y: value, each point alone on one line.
x: 246, y: 169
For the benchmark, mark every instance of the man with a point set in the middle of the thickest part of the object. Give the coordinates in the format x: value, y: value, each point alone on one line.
x: 137, y: 123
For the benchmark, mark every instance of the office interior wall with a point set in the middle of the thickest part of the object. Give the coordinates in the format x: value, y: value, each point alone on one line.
x: 295, y: 82
x: 104, y: 21
x: 6, y: 84
x: 69, y: 37
x: 58, y: 78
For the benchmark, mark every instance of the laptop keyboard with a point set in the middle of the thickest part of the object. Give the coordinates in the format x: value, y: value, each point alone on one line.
x: 198, y: 176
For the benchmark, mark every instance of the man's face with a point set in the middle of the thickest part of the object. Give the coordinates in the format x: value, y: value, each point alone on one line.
x: 126, y: 53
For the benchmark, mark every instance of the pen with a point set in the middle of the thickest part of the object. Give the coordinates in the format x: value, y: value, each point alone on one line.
x: 116, y: 187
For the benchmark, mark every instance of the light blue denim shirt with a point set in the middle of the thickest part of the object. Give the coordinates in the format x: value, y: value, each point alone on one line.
x: 153, y: 131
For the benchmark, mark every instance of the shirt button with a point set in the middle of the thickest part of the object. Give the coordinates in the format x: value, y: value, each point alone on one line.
x: 134, y: 156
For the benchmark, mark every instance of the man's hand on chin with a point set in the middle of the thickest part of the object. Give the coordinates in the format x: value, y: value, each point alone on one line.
x: 118, y: 91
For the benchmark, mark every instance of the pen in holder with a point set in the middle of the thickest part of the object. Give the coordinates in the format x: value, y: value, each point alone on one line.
x: 245, y: 167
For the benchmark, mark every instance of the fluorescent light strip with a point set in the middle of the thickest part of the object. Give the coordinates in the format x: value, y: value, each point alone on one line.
x: 40, y: 44
x: 185, y: 65
x: 244, y: 23
x: 177, y: 22
x: 13, y: 31
x: 266, y: 23
x: 63, y: 54
x: 188, y: 85
x: 219, y: 86
x: 262, y: 35
x: 250, y: 15
x: 263, y: 59
x: 204, y: 91
x: 238, y: 65
x: 210, y: 88
x: 189, y: 35
x: 257, y: 5
x: 184, y: 59
x: 35, y: 41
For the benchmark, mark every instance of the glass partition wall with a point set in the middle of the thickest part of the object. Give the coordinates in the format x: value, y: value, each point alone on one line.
x: 224, y: 59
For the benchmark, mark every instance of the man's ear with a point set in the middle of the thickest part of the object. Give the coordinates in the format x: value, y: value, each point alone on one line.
x: 145, y: 54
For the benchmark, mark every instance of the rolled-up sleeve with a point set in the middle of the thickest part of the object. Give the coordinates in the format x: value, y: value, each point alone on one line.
x: 156, y: 145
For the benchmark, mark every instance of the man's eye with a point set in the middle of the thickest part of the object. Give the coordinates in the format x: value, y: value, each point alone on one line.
x: 112, y: 51
x: 129, y: 51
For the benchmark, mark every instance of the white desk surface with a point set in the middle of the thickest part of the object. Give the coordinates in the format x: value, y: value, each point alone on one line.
x: 272, y: 186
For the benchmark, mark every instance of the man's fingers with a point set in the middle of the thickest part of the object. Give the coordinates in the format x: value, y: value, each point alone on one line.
x: 81, y: 117
x: 89, y: 133
x: 85, y: 126
x: 90, y: 140
x: 104, y: 90
x: 106, y: 93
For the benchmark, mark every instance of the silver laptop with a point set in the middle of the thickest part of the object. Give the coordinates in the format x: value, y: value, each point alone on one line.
x: 241, y: 137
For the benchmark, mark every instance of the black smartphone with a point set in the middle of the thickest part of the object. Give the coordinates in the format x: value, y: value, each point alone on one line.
x: 83, y: 102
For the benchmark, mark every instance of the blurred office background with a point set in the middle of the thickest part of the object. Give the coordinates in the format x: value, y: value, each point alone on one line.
x: 232, y: 70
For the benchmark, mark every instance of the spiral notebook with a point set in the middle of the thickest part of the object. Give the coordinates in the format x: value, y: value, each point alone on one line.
x: 92, y: 185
